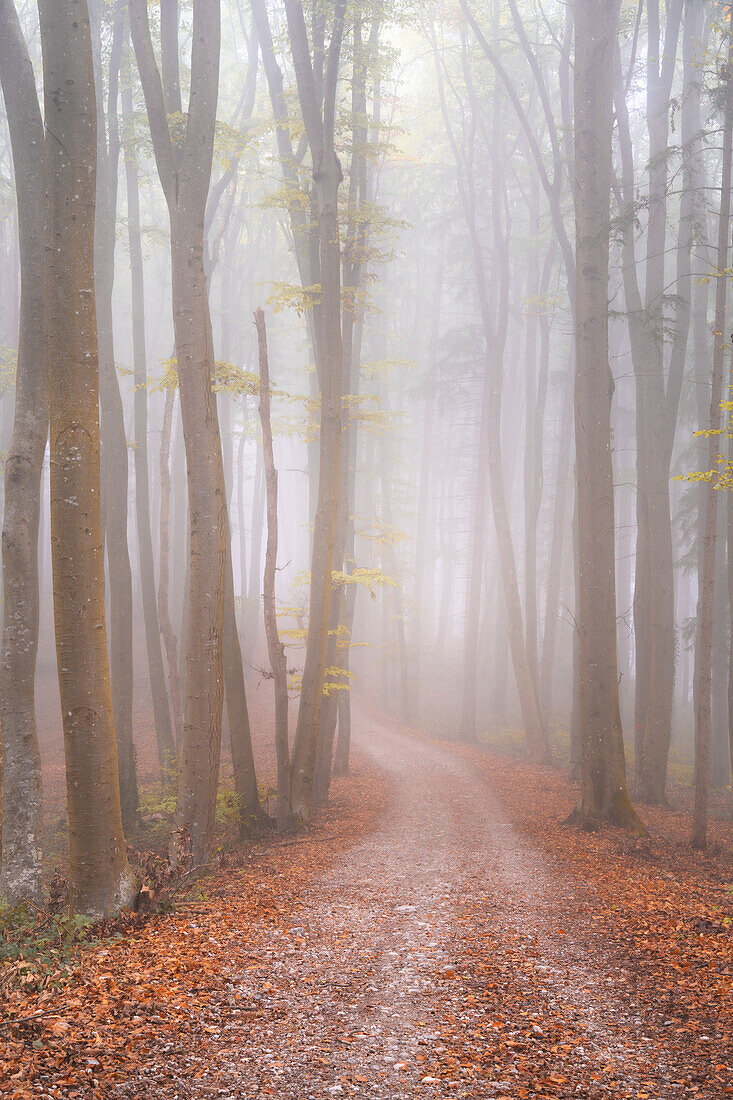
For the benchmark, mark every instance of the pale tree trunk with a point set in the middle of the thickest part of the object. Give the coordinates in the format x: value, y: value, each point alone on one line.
x: 114, y: 469
x: 494, y: 317
x: 237, y: 711
x: 426, y: 468
x: 343, y: 743
x: 240, y: 737
x: 356, y: 324
x: 603, y: 795
x: 707, y: 593
x: 475, y: 568
x: 101, y: 880
x: 184, y: 169
x: 537, y: 354
x: 719, y: 724
x: 319, y: 118
x: 658, y: 720
x: 20, y: 763
x: 241, y: 517
x: 255, y: 551
x: 167, y: 758
x: 558, y: 540
x: 317, y: 252
x: 576, y: 737
x: 657, y: 402
x: 166, y: 626
x: 275, y: 647
x: 337, y: 701
x: 729, y: 581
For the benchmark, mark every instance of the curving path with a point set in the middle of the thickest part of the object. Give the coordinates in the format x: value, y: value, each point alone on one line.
x: 441, y: 957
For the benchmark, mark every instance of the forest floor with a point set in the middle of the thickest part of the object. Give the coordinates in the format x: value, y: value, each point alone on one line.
x: 435, y: 934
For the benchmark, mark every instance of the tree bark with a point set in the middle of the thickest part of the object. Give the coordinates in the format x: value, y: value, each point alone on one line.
x: 558, y: 540
x: 707, y: 593
x: 657, y: 402
x: 319, y: 118
x: 603, y: 795
x: 275, y: 647
x: 101, y: 880
x: 22, y: 796
x: 184, y: 169
x: 167, y: 756
x: 114, y: 467
x: 357, y: 231
x: 166, y: 626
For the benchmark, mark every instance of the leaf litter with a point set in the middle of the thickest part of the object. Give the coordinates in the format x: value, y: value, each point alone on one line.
x: 436, y: 933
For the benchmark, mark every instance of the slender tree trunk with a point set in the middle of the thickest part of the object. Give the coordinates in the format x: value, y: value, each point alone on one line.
x: 101, y: 880
x: 328, y: 342
x: 275, y: 647
x: 707, y: 593
x: 184, y: 168
x: 476, y: 565
x: 166, y: 626
x: 536, y: 369
x: 255, y: 552
x: 20, y: 763
x: 719, y: 744
x: 240, y: 736
x: 426, y: 469
x: 657, y: 403
x: 576, y: 734
x: 343, y: 743
x: 729, y: 578
x: 112, y: 429
x: 603, y: 795
x: 167, y: 758
x: 355, y: 245
x: 241, y: 514
x: 558, y: 540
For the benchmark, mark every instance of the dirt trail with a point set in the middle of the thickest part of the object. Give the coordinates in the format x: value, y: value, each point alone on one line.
x: 440, y: 957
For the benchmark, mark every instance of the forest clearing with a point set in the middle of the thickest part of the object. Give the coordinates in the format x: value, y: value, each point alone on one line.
x: 366, y: 440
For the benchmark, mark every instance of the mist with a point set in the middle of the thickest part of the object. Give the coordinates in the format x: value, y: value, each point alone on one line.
x: 364, y: 402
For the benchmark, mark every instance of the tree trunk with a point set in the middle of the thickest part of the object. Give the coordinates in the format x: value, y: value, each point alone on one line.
x: 101, y: 880
x: 241, y: 519
x: 184, y: 168
x: 707, y: 593
x: 166, y: 626
x: 476, y: 566
x: 603, y: 795
x: 167, y: 757
x: 275, y: 647
x: 656, y: 414
x: 255, y: 551
x: 319, y: 120
x: 240, y: 737
x: 22, y: 799
x: 558, y: 540
x: 114, y: 469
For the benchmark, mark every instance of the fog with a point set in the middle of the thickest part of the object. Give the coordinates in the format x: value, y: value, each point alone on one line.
x: 397, y: 187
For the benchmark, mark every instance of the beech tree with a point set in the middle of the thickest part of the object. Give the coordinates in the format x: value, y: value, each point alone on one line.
x: 112, y: 427
x: 708, y: 579
x: 316, y: 69
x: 21, y: 763
x: 101, y: 880
x: 164, y: 719
x: 184, y: 168
x: 603, y: 795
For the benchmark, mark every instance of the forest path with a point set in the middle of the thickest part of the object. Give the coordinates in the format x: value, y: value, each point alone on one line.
x: 439, y: 957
